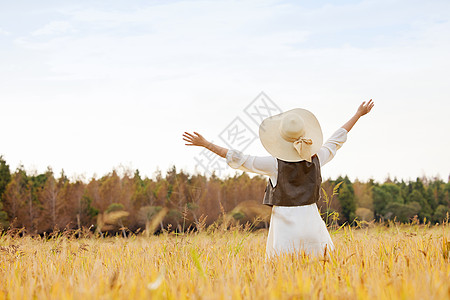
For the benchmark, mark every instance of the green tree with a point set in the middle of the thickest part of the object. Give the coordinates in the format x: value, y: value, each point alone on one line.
x: 3, y: 217
x: 425, y: 211
x: 394, y: 192
x: 5, y: 178
x: 86, y: 210
x: 114, y: 207
x: 380, y: 200
x: 386, y: 194
x: 402, y: 212
x: 346, y: 199
x: 436, y: 190
x: 441, y: 213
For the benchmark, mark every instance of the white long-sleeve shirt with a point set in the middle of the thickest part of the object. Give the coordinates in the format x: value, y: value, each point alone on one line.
x: 268, y: 165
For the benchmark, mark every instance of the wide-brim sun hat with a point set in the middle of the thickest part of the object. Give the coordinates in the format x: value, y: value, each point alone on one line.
x: 291, y: 136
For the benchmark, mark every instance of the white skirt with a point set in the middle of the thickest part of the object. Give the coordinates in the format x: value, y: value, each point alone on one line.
x: 297, y: 229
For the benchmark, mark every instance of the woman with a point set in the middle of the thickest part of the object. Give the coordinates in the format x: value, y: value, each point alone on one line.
x: 294, y: 140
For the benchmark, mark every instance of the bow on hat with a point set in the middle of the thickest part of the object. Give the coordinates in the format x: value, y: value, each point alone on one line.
x: 303, y: 147
x: 301, y: 144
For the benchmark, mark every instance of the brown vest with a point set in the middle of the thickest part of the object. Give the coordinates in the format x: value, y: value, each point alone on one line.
x: 298, y: 183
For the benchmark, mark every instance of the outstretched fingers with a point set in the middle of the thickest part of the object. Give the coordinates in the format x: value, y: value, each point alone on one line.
x: 365, y: 107
x: 188, y: 134
x: 198, y: 134
x: 187, y: 137
x: 370, y: 105
x: 195, y: 139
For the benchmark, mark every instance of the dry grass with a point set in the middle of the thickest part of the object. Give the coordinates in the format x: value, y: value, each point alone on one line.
x: 396, y: 262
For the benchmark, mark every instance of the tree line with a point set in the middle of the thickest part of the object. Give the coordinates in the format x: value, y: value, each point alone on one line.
x: 176, y: 200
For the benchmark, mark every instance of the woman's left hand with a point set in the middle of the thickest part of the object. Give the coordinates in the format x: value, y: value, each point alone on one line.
x: 365, y: 108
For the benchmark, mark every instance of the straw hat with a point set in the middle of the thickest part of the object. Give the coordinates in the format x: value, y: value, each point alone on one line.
x: 294, y: 135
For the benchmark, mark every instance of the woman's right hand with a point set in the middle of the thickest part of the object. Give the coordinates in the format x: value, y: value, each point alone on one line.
x: 195, y: 139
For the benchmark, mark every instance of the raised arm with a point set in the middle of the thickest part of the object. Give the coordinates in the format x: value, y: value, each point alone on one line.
x: 197, y: 139
x: 335, y: 142
x: 264, y: 165
x: 363, y: 109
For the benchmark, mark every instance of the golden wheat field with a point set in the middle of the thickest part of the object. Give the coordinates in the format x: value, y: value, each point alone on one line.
x: 377, y: 262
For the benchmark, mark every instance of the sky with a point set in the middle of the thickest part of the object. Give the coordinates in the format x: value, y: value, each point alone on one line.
x: 91, y: 86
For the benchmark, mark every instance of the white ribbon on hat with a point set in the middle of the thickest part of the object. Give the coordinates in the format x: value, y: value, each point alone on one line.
x: 303, y: 147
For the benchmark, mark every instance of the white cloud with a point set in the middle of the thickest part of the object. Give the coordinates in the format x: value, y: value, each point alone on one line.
x: 4, y: 32
x: 53, y: 28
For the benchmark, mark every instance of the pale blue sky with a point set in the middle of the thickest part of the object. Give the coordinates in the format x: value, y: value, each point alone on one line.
x: 91, y: 85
